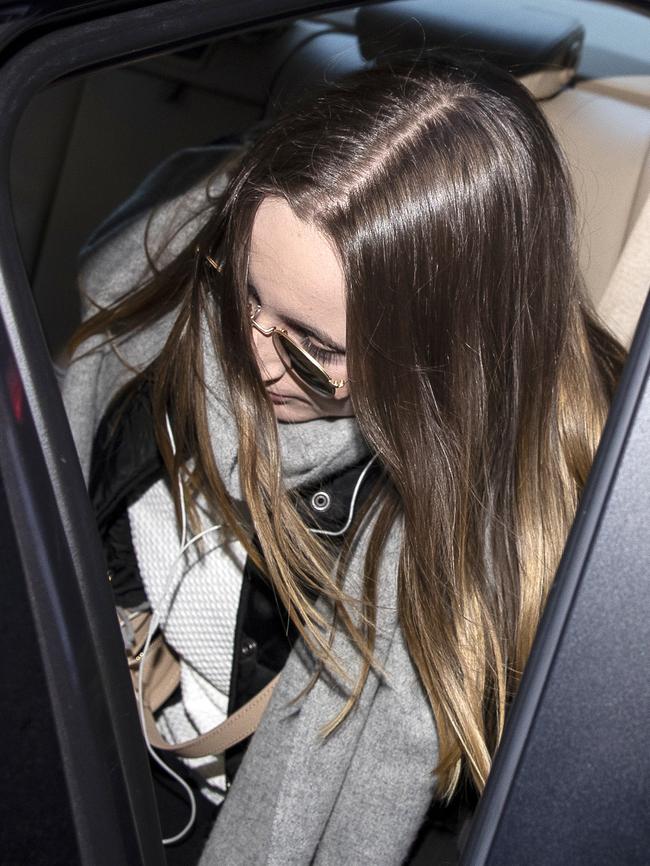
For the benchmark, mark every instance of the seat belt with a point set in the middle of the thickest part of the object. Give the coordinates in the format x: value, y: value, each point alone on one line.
x: 623, y: 299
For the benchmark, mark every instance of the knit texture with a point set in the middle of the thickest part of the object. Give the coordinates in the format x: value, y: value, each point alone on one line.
x: 196, y: 597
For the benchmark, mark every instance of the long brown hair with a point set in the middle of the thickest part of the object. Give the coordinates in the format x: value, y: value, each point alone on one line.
x: 478, y: 373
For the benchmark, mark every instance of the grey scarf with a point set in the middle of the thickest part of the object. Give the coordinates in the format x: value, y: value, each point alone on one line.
x: 309, y: 450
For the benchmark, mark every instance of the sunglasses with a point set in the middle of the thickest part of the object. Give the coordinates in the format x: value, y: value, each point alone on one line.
x: 306, y: 368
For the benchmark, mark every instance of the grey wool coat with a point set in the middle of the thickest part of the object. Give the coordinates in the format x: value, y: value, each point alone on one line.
x: 359, y: 795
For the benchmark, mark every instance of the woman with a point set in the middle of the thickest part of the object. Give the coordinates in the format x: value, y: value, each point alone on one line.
x: 390, y: 273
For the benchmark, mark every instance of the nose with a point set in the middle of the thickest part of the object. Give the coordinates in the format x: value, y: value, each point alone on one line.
x: 268, y: 361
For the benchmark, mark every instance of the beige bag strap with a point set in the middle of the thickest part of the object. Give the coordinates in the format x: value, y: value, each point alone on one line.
x: 233, y: 730
x: 161, y: 678
x: 623, y: 299
x: 162, y: 674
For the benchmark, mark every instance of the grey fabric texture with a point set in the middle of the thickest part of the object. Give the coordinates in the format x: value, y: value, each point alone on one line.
x: 359, y: 795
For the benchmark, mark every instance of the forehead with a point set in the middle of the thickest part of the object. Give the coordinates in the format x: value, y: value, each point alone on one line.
x: 295, y: 268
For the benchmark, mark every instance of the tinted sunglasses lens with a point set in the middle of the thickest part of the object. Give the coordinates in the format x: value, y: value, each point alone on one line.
x: 306, y: 370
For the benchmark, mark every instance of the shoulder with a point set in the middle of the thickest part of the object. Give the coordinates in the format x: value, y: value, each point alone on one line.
x: 153, y: 225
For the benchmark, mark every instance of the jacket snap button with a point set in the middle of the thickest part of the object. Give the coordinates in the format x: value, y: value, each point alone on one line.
x: 321, y: 501
x: 248, y: 647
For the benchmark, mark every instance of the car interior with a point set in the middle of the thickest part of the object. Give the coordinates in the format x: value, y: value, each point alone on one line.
x: 88, y: 141
x: 83, y: 145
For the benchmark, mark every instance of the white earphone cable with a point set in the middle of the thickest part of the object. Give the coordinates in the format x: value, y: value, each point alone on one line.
x: 181, y: 491
x: 153, y: 625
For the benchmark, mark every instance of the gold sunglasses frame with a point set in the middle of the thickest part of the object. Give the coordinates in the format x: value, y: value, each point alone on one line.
x: 330, y: 385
